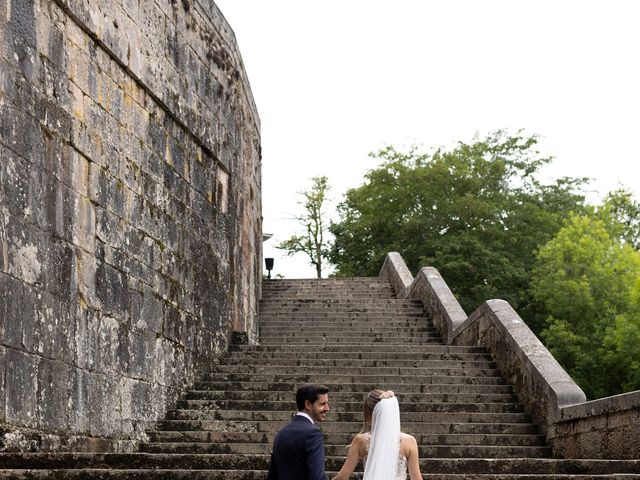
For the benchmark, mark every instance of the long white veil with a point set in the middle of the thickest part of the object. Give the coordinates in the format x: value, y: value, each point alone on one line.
x: 382, y: 459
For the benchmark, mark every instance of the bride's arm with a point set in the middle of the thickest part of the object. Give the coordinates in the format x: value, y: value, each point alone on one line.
x: 354, y: 454
x: 413, y: 458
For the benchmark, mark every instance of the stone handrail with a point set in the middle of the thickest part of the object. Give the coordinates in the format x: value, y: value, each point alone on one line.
x: 429, y: 287
x: 543, y: 386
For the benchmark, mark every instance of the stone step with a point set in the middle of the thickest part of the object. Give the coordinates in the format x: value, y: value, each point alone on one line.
x: 331, y: 301
x: 317, y: 282
x: 335, y: 340
x: 456, y: 451
x: 360, y: 292
x: 329, y: 291
x: 355, y: 397
x: 201, y: 406
x: 337, y: 449
x: 344, y: 438
x: 345, y: 321
x: 358, y: 388
x: 365, y: 328
x: 365, y: 338
x: 309, y: 335
x: 349, y: 384
x: 347, y: 325
x: 491, y: 377
x: 336, y: 427
x: 322, y: 350
x: 429, y: 352
x: 181, y: 465
x: 354, y: 371
x: 175, y: 474
x: 363, y: 295
x: 195, y: 419
x: 353, y: 363
x: 277, y: 311
x: 381, y: 314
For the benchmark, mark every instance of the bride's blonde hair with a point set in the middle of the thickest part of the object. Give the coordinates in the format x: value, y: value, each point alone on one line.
x: 370, y: 403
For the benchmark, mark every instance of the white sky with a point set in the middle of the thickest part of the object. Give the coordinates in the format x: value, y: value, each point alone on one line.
x: 335, y: 80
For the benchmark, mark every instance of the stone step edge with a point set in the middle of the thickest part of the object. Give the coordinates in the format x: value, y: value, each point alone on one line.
x: 549, y: 465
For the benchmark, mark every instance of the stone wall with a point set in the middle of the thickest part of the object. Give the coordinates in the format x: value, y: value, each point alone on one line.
x: 130, y: 214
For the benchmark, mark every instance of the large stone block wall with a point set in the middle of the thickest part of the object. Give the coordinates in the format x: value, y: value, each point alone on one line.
x: 130, y: 214
x: 604, y: 428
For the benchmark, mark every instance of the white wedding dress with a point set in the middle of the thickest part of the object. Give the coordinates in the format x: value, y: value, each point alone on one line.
x: 401, y: 468
x: 384, y: 460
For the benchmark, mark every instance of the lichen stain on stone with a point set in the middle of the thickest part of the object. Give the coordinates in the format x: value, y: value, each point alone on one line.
x: 27, y: 263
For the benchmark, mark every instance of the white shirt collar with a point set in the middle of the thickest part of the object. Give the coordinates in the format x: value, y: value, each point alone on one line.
x: 306, y: 415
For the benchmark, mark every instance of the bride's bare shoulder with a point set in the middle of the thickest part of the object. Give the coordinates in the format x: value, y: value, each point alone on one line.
x: 408, y: 437
x: 359, y: 445
x: 409, y: 443
x: 360, y: 439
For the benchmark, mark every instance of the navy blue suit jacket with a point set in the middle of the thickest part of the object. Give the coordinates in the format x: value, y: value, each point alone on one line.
x: 298, y: 452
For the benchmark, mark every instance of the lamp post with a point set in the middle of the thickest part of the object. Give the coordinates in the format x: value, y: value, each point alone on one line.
x: 269, y: 264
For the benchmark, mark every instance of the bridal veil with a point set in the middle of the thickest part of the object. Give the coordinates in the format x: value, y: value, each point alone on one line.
x: 382, y: 458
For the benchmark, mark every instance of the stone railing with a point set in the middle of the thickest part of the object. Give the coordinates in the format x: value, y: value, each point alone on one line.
x: 605, y: 428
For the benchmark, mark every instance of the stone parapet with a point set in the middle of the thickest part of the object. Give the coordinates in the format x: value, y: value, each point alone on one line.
x: 395, y: 270
x: 130, y: 214
x: 542, y: 385
x: 430, y: 288
x: 604, y: 428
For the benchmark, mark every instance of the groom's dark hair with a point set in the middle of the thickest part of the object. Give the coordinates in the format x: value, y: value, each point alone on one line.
x: 311, y: 392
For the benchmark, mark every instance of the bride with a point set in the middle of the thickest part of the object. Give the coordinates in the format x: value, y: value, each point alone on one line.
x: 388, y: 451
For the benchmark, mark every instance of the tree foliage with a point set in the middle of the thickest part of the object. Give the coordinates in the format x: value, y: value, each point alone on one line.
x: 313, y: 241
x: 476, y: 212
x: 622, y: 214
x: 588, y: 278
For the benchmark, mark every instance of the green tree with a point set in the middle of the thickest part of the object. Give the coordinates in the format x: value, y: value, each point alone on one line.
x: 313, y: 241
x: 622, y: 214
x: 588, y: 279
x: 476, y: 212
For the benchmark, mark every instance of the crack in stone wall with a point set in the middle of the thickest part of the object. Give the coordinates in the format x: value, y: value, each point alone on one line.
x: 120, y: 272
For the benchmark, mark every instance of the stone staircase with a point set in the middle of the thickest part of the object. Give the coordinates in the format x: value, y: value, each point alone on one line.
x: 352, y: 335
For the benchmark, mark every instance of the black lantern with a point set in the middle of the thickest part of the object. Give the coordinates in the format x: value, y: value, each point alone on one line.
x: 269, y: 264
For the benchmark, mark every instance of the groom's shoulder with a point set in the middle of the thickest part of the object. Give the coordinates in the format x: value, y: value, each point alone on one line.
x: 297, y: 430
x: 299, y: 423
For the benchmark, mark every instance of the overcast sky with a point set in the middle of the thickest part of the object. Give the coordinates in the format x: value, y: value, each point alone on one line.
x: 335, y: 80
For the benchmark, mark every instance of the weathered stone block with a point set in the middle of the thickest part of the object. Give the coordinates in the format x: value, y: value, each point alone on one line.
x: 84, y: 343
x: 108, y: 345
x: 57, y: 267
x: 152, y: 310
x: 21, y: 373
x: 3, y: 386
x: 84, y: 277
x: 112, y: 289
x: 52, y: 397
x: 141, y: 349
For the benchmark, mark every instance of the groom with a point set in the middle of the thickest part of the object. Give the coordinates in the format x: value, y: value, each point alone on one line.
x: 298, y: 449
